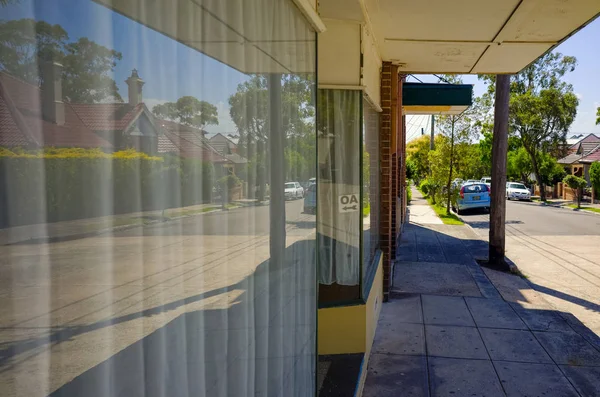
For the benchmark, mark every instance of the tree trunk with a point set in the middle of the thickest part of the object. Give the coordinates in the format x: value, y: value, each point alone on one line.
x: 451, y: 165
x: 538, y: 177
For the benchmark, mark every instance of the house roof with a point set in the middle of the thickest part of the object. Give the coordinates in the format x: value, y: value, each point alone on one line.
x: 583, y: 148
x: 236, y: 158
x: 108, y: 116
x: 190, y: 142
x: 222, y: 143
x: 23, y: 124
x: 592, y: 156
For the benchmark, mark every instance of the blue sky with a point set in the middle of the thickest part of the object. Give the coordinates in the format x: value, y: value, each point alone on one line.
x: 172, y: 70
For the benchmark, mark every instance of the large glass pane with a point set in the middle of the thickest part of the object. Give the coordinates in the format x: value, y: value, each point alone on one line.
x: 156, y: 237
x: 370, y: 190
x: 339, y: 210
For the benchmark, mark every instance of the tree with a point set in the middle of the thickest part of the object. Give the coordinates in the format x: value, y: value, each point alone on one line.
x: 598, y: 116
x: 518, y: 165
x: 417, y: 152
x: 595, y: 176
x: 542, y: 106
x: 25, y: 44
x: 577, y: 184
x: 188, y: 110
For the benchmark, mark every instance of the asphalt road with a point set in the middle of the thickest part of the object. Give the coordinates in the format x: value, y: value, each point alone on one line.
x: 558, y: 249
x: 201, y: 288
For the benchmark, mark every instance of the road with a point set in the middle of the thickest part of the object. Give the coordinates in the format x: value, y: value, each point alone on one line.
x: 558, y: 249
x: 69, y: 307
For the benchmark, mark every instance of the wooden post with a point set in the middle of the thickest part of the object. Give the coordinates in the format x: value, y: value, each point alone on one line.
x: 277, y: 178
x: 499, y: 151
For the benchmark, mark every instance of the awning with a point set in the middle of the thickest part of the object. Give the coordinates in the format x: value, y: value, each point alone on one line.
x: 427, y: 98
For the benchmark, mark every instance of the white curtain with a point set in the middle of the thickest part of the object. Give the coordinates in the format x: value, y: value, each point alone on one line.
x: 339, y: 127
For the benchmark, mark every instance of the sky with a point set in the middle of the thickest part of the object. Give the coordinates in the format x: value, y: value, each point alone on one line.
x: 172, y: 70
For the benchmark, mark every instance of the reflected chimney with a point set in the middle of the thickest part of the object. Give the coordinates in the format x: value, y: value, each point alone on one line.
x: 135, y: 88
x: 53, y: 108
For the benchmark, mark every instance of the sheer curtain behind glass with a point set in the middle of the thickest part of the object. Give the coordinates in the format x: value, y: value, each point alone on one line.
x: 370, y: 174
x: 339, y: 127
x: 147, y: 247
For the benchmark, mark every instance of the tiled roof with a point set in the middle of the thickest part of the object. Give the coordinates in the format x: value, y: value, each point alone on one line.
x: 10, y: 133
x: 26, y: 114
x: 592, y: 156
x: 107, y: 116
x: 165, y: 145
x: 223, y: 144
x: 190, y: 142
x: 570, y: 159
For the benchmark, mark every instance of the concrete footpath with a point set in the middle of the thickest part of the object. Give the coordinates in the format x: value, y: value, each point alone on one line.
x: 453, y: 328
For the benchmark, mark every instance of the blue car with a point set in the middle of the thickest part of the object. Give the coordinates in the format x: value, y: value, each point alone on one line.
x: 473, y: 196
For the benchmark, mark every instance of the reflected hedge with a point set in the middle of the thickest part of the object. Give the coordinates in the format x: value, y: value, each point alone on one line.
x: 65, y: 184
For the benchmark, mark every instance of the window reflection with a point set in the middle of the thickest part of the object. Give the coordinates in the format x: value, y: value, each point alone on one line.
x: 146, y: 241
x: 370, y: 190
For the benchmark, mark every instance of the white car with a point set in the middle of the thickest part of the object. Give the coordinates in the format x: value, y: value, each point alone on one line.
x: 487, y: 180
x: 517, y: 191
x: 293, y: 190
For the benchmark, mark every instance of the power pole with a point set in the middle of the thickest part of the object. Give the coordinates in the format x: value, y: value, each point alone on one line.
x: 498, y: 185
x: 431, y: 147
x: 422, y: 131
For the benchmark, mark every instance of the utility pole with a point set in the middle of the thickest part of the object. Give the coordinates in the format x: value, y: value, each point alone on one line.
x: 498, y: 185
x: 422, y: 131
x: 432, y: 127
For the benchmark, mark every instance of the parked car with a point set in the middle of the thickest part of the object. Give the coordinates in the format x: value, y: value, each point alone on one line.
x: 457, y: 183
x: 310, y: 200
x: 472, y: 181
x: 517, y: 191
x: 487, y: 180
x: 312, y: 181
x: 293, y: 190
x: 473, y: 196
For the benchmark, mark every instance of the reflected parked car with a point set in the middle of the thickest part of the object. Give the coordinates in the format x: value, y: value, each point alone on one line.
x: 473, y: 196
x: 293, y: 190
x: 310, y: 200
x: 517, y: 191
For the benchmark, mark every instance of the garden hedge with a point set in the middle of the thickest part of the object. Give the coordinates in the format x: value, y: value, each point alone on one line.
x: 66, y: 184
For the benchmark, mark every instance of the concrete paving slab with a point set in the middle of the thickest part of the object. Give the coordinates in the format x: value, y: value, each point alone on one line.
x: 539, y: 319
x: 569, y: 348
x: 434, y: 278
x: 585, y: 379
x: 404, y: 308
x: 494, y: 313
x: 461, y: 377
x: 446, y: 310
x: 533, y: 380
x: 455, y: 342
x: 513, y: 345
x: 393, y: 376
x: 399, y: 338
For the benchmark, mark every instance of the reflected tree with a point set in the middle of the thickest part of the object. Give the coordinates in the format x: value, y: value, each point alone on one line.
x: 25, y: 44
x: 188, y: 110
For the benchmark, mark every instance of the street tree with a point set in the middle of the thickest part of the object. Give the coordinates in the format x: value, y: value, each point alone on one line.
x: 595, y: 176
x: 188, y: 110
x: 417, y: 152
x: 576, y: 184
x: 542, y: 106
x: 26, y: 44
x: 598, y: 116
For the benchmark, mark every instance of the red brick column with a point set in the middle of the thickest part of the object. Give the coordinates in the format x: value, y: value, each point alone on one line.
x: 387, y: 141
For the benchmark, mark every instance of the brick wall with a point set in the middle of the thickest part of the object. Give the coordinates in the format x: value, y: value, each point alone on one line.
x: 388, y: 150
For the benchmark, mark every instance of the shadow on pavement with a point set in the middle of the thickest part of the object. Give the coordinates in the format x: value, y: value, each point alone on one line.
x: 262, y: 342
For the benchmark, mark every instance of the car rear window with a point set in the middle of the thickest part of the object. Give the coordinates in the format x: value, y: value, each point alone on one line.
x: 475, y: 188
x: 517, y: 186
x: 290, y: 185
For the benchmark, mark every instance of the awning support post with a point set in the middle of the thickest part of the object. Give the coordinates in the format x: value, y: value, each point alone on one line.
x: 498, y: 185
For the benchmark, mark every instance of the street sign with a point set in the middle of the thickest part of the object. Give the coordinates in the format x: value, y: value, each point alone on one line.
x: 348, y: 203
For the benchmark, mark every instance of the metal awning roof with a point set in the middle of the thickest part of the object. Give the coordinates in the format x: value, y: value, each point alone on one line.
x: 428, y: 98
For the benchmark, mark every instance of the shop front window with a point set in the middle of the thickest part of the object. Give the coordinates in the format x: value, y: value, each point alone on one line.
x: 149, y: 245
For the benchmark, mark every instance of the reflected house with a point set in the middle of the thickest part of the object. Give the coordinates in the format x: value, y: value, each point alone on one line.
x: 229, y: 149
x: 26, y: 120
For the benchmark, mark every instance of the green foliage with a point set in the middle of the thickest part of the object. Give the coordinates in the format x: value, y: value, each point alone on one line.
x: 188, y: 110
x: 411, y: 169
x: 408, y: 194
x: 598, y: 115
x: 417, y: 152
x: 26, y: 44
x: 577, y: 184
x: 64, y: 184
x: 430, y: 188
x: 595, y: 176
